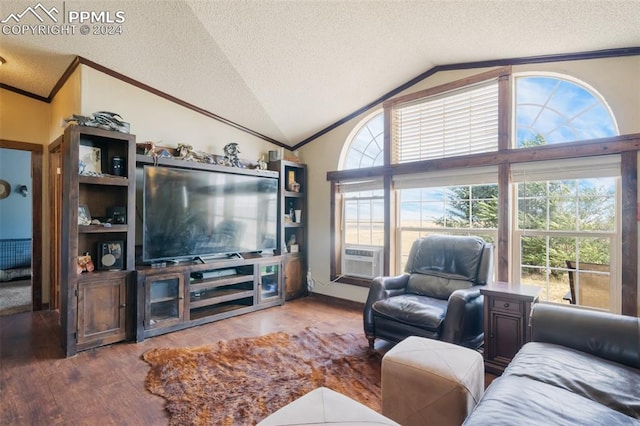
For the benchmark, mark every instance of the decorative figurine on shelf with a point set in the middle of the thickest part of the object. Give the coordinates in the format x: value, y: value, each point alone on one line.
x: 151, y: 150
x: 262, y: 165
x: 231, y: 152
x: 290, y: 242
x: 101, y: 119
x: 187, y: 153
x: 85, y: 264
x: 292, y: 214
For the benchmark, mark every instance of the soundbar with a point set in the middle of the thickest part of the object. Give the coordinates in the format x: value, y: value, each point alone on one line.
x: 213, y: 274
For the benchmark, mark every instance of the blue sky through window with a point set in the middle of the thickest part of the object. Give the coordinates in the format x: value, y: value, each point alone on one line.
x: 560, y: 111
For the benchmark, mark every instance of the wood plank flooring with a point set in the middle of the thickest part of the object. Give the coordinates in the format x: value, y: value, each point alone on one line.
x: 38, y: 386
x: 105, y: 386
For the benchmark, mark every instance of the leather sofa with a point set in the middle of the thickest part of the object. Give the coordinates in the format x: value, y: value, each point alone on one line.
x: 437, y: 297
x: 582, y: 367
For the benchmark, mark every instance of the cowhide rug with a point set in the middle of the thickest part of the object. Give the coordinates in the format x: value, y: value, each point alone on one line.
x: 242, y: 381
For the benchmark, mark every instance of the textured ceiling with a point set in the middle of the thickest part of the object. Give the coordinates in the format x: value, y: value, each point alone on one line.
x: 288, y: 69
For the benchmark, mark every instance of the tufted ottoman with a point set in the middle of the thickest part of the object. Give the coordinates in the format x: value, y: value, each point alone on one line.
x: 323, y: 406
x: 426, y: 381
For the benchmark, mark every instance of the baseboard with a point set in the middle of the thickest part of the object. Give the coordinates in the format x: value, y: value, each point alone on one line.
x: 336, y: 301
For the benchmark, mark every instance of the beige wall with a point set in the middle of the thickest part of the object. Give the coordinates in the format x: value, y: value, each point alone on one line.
x: 616, y: 79
x: 23, y: 119
x: 65, y: 104
x: 161, y: 121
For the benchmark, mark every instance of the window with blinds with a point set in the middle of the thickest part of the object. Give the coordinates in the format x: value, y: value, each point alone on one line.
x: 451, y: 124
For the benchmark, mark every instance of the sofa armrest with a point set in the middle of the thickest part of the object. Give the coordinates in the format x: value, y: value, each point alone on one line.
x: 382, y: 288
x: 464, y: 321
x: 603, y: 334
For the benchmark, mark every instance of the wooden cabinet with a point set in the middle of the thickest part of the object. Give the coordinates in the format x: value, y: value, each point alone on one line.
x: 102, y: 314
x: 293, y: 232
x: 165, y: 299
x: 294, y: 283
x: 173, y: 298
x: 269, y: 282
x: 506, y: 317
x: 95, y: 306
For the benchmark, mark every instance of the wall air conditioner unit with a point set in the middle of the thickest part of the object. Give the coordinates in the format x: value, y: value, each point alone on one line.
x: 362, y: 261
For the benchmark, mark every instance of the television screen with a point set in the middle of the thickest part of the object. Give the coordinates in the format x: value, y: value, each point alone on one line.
x: 191, y: 213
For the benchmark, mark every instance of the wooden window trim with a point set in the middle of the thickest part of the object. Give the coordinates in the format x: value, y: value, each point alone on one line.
x: 626, y: 145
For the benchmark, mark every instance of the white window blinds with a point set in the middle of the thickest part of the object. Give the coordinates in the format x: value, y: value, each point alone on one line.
x: 451, y: 177
x: 573, y: 168
x: 455, y: 123
x: 360, y: 185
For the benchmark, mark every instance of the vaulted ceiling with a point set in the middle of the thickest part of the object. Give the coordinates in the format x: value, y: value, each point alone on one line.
x: 288, y: 69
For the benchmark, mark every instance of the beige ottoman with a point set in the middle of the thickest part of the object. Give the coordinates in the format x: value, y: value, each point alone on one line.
x: 323, y: 406
x: 429, y: 382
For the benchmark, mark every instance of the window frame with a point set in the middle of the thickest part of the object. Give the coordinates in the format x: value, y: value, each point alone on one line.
x: 626, y: 145
x: 614, y: 236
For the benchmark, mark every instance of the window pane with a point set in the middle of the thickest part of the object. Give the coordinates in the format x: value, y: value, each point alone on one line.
x: 366, y: 147
x: 594, y: 250
x: 532, y: 213
x: 447, y: 210
x: 561, y: 249
x: 576, y: 207
x: 534, y: 251
x: 562, y: 214
x: 364, y: 218
x: 558, y: 110
x: 457, y: 214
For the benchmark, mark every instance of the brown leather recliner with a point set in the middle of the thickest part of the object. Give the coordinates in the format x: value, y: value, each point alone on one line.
x: 437, y: 297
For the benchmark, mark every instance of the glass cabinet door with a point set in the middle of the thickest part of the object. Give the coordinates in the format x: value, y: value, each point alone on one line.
x: 269, y: 282
x: 165, y: 300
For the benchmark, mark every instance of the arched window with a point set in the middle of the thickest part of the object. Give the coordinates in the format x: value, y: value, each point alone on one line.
x: 554, y: 109
x: 567, y: 210
x: 365, y: 146
x: 561, y: 210
x: 363, y: 202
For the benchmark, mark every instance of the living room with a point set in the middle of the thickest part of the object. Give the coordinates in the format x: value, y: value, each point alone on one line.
x: 607, y: 66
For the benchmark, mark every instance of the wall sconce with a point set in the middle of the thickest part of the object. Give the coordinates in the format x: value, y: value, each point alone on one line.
x: 22, y: 189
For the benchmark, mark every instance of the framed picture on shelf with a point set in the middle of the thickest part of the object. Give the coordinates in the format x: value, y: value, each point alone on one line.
x: 111, y: 255
x: 90, y: 159
x: 84, y: 216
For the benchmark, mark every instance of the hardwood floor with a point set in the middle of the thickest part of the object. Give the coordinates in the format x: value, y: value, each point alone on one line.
x: 38, y: 386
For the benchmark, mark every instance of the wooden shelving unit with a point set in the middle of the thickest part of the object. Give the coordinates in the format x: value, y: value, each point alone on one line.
x: 96, y: 307
x: 293, y: 198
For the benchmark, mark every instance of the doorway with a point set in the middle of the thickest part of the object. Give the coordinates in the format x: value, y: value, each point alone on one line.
x: 20, y: 227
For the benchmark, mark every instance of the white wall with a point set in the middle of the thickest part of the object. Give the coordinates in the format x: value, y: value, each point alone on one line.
x: 616, y: 79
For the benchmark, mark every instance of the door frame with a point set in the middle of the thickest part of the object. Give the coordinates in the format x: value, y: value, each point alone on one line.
x: 36, y: 210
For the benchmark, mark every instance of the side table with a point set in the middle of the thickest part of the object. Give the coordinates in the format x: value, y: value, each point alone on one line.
x: 506, y: 322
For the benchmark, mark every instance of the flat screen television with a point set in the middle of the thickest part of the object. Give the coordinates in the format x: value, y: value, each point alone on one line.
x: 189, y: 214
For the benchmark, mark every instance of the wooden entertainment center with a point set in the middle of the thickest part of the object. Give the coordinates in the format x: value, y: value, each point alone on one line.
x: 176, y: 297
x: 119, y: 298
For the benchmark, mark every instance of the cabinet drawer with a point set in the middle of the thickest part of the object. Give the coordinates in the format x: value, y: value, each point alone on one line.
x: 506, y: 305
